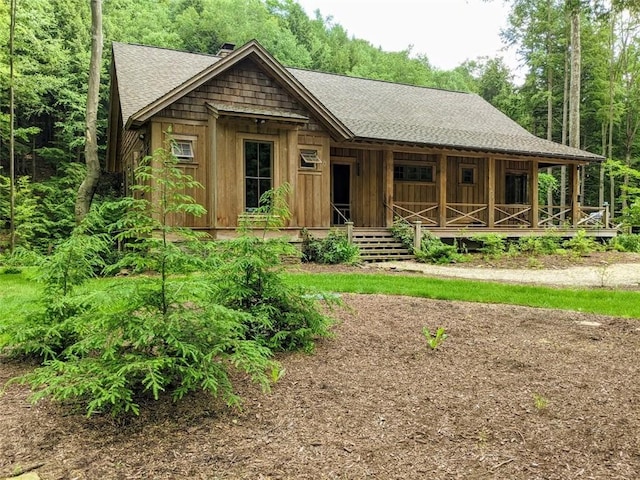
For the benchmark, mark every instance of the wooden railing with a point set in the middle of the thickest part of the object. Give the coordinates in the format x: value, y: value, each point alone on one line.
x: 467, y: 214
x: 341, y: 213
x: 504, y: 215
x: 514, y: 215
x: 415, y: 211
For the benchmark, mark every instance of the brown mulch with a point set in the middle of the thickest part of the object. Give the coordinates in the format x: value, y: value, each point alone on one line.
x: 376, y: 403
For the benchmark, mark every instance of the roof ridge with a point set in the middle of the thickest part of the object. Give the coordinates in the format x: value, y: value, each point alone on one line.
x: 379, y: 80
x: 166, y: 48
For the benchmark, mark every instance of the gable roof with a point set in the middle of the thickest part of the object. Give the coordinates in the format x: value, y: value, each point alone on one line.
x: 150, y: 78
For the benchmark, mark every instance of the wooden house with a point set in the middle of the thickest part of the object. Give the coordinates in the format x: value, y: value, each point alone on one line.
x: 353, y: 150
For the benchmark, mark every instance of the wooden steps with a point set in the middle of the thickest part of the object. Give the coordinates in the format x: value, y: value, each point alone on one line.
x: 379, y: 246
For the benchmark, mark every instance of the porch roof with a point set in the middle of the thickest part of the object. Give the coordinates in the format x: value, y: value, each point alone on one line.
x: 385, y: 111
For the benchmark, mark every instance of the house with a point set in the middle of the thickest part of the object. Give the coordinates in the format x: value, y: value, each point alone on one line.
x: 355, y: 151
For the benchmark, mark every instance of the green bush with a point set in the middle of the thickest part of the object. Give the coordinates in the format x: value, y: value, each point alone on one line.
x: 434, y: 250
x: 333, y: 249
x: 492, y: 245
x: 627, y: 242
x: 403, y: 232
x: 581, y: 244
x: 539, y: 245
x: 112, y: 347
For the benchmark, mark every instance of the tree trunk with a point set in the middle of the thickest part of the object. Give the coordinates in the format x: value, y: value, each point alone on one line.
x: 574, y: 87
x: 12, y: 140
x: 90, y: 182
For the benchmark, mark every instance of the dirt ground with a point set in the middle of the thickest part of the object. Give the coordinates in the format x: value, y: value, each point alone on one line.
x: 513, y: 393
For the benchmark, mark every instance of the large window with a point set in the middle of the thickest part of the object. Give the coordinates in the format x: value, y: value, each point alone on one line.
x: 515, y: 188
x: 258, y: 162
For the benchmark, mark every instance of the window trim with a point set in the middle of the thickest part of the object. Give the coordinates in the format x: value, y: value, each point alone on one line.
x: 461, y: 169
x: 190, y: 140
x: 271, y: 177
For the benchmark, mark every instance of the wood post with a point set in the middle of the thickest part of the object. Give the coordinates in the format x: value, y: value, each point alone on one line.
x: 607, y: 213
x: 442, y: 190
x: 492, y: 193
x: 575, y: 190
x: 417, y: 238
x: 535, y: 201
x: 388, y: 188
x: 349, y: 226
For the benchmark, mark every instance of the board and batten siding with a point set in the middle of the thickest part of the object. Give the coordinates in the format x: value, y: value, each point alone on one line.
x: 313, y: 188
x: 198, y: 169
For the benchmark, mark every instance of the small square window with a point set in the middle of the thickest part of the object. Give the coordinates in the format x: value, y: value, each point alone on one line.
x: 467, y: 175
x: 309, y: 159
x: 183, y: 150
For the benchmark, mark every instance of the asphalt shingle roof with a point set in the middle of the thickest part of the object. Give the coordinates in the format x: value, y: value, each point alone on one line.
x: 370, y: 109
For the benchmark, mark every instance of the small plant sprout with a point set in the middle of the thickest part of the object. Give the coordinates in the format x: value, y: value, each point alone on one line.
x: 540, y: 402
x: 434, y: 340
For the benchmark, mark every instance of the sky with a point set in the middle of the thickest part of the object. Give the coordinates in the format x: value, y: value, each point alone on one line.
x: 448, y: 32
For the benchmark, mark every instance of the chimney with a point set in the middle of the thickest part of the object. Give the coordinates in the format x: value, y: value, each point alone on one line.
x: 226, y: 49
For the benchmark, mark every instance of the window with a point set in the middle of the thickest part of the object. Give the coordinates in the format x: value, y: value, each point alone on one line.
x: 309, y: 159
x: 413, y: 173
x: 258, y: 160
x: 467, y: 175
x: 515, y: 188
x: 183, y: 150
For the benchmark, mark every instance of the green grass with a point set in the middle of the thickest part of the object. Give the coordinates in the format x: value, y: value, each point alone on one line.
x: 617, y: 303
x: 18, y: 293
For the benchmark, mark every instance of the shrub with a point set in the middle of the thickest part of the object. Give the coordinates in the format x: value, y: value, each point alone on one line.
x: 539, y: 245
x: 492, y: 245
x: 582, y: 245
x: 138, y: 338
x: 333, y: 249
x: 403, y: 232
x: 627, y: 242
x: 283, y: 317
x: 434, y: 250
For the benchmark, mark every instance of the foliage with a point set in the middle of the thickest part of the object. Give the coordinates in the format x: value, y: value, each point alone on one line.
x: 111, y: 348
x: 333, y: 249
x: 403, y: 232
x: 249, y: 279
x: 492, y: 245
x: 581, y: 244
x: 436, y: 339
x: 434, y: 250
x: 627, y: 242
x: 547, y: 183
x: 541, y: 403
x: 539, y: 245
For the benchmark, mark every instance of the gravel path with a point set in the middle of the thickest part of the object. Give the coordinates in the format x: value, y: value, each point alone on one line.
x: 626, y: 275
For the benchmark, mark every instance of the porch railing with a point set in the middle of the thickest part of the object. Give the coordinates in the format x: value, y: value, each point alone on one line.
x: 341, y: 213
x: 467, y: 214
x: 504, y: 215
x: 410, y: 212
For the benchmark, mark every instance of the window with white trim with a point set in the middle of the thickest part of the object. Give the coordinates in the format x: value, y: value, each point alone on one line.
x: 309, y: 159
x: 183, y: 150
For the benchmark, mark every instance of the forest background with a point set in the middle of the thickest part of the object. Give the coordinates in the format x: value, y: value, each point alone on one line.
x: 53, y: 48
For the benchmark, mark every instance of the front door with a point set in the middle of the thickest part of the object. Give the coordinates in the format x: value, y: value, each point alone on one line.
x: 340, y: 193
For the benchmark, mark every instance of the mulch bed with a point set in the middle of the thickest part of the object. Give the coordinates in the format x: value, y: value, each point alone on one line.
x: 374, y: 402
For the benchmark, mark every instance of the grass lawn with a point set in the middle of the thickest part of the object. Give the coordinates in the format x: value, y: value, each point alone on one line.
x: 618, y: 303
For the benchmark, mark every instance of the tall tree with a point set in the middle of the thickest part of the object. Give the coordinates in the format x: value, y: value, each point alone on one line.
x: 90, y: 183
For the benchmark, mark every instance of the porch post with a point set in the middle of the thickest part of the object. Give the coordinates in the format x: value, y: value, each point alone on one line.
x: 575, y: 190
x: 388, y: 188
x: 492, y: 193
x: 442, y: 190
x: 417, y: 238
x: 535, y: 201
x: 349, y: 226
